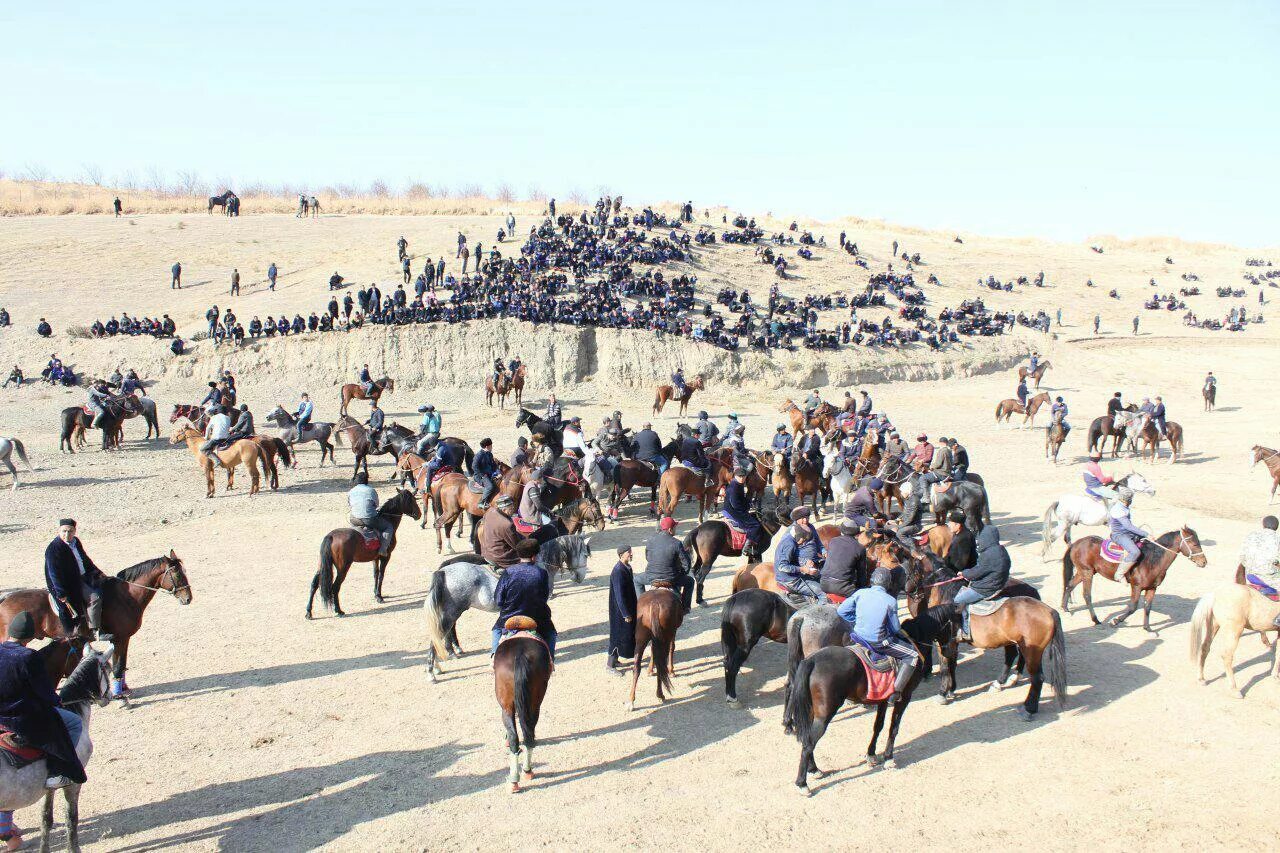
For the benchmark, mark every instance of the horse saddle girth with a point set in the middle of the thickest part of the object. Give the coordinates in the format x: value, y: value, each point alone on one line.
x: 942, y: 487
x: 17, y: 753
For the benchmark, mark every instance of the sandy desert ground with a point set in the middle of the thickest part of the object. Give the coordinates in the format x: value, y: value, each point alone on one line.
x: 252, y: 728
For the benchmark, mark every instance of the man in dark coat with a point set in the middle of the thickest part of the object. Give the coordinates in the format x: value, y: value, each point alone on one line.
x: 737, y: 510
x: 648, y: 448
x: 666, y: 561
x: 524, y: 590
x: 622, y: 611
x: 963, y: 553
x: 845, y: 570
x: 29, y: 707
x: 988, y: 575
x: 862, y: 503
x: 73, y: 580
x: 498, y: 534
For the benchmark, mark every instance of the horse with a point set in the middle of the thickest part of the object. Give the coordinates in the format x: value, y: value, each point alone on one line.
x: 223, y: 201
x: 1210, y: 394
x: 1270, y: 458
x: 517, y: 383
x: 823, y: 681
x: 840, y: 479
x: 1150, y: 437
x: 659, y: 615
x: 747, y: 616
x: 75, y: 420
x: 1055, y: 435
x: 8, y: 447
x: 355, y: 391
x: 499, y: 389
x: 1023, y: 373
x: 346, y: 545
x: 521, y: 670
x: 468, y: 581
x: 551, y: 436
x: 198, y: 417
x: 1075, y: 508
x: 1083, y: 560
x: 87, y: 685
x: 317, y: 432
x: 678, y: 481
x: 1006, y: 409
x: 146, y: 407
x: 124, y: 602
x: 713, y: 538
x: 969, y: 496
x: 666, y: 393
x: 823, y: 417
x: 1106, y: 427
x: 245, y: 452
x: 629, y: 473
x: 1232, y: 608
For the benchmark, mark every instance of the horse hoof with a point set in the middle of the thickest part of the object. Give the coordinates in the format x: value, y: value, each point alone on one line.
x: 1237, y: 694
x: 380, y: 599
x: 515, y: 787
x: 995, y: 687
x: 873, y: 761
x: 733, y: 702
x: 891, y: 764
x: 309, y: 616
x: 1201, y: 681
x: 339, y: 613
x: 804, y: 790
x: 1025, y: 715
x: 944, y: 699
x: 630, y: 706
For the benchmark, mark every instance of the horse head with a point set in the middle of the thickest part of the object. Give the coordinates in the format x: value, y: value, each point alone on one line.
x: 1189, y: 545
x: 174, y: 580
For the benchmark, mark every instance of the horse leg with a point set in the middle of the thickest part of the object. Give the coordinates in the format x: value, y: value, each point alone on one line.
x: 642, y: 641
x: 1087, y: 590
x: 1228, y: 663
x: 315, y: 585
x: 1148, y: 597
x: 899, y: 708
x: 1067, y: 588
x: 1032, y: 655
x: 1010, y: 658
x: 338, y: 578
x: 872, y: 759
x: 379, y: 572
x: 72, y: 795
x: 120, y: 689
x: 949, y: 653
x: 1115, y: 621
x: 513, y: 746
x: 46, y: 820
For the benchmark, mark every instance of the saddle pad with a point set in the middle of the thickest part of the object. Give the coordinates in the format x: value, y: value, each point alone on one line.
x: 1263, y: 589
x: 444, y: 471
x: 986, y: 608
x: 522, y: 526
x: 737, y: 538
x: 370, y: 541
x: 474, y: 487
x: 836, y: 599
x: 533, y: 635
x: 879, y: 681
x: 1109, y: 550
x: 940, y: 488
x: 15, y: 754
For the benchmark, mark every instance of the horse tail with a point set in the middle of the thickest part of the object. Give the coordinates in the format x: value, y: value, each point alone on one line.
x: 1046, y: 527
x: 999, y: 410
x: 1053, y: 665
x: 1068, y: 567
x: 434, y: 607
x: 282, y: 450
x: 1202, y: 628
x: 522, y: 695
x: 657, y: 402
x: 19, y: 449
x: 691, y: 546
x: 337, y: 436
x: 326, y: 570
x: 800, y: 705
x: 661, y: 651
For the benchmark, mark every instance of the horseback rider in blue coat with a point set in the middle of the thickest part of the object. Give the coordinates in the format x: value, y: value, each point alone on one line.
x: 73, y: 580
x: 485, y: 471
x: 872, y: 616
x: 797, y: 561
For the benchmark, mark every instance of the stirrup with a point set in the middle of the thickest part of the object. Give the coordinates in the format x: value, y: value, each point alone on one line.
x: 53, y: 783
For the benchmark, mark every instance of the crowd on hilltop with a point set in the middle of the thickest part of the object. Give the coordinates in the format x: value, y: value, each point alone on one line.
x: 126, y: 325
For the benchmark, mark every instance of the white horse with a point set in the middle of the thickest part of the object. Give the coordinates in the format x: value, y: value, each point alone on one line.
x: 7, y: 448
x: 1072, y: 509
x: 837, y: 471
x: 89, y: 684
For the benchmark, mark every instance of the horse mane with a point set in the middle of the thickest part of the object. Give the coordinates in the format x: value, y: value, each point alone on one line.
x: 391, y: 506
x: 1168, y: 545
x: 81, y: 684
x: 134, y: 572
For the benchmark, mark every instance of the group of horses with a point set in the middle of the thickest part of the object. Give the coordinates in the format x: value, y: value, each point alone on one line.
x: 504, y: 385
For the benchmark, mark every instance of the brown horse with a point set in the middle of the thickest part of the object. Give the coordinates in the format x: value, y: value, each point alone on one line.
x: 1210, y: 394
x: 763, y: 575
x: 1150, y: 438
x: 824, y: 417
x: 499, y: 389
x: 198, y: 417
x: 666, y: 393
x: 344, y: 546
x: 1023, y: 373
x: 1270, y: 458
x: 269, y: 447
x: 1054, y: 437
x: 1083, y: 560
x: 124, y: 601
x: 355, y: 391
x: 245, y: 452
x: 712, y: 539
x: 628, y: 474
x: 556, y: 491
x: 517, y: 384
x: 678, y: 481
x: 1008, y: 408
x: 808, y: 482
x: 521, y: 671
x: 658, y: 617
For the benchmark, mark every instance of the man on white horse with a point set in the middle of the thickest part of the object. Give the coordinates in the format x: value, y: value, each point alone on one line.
x: 1097, y: 481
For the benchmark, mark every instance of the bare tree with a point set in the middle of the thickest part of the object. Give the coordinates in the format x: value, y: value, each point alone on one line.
x: 379, y: 189
x: 536, y: 193
x: 505, y: 193
x: 156, y: 180
x: 35, y: 172
x: 577, y: 197
x: 189, y: 183
x: 128, y: 180
x: 470, y: 190
x: 92, y: 174
x: 420, y: 190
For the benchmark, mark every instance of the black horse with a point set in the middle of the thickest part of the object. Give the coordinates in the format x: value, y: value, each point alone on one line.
x: 712, y: 539
x: 112, y: 420
x: 222, y: 201
x: 969, y: 496
x: 747, y: 616
x: 548, y: 434
x: 397, y: 439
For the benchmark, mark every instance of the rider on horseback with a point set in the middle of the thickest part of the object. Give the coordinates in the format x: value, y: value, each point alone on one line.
x: 377, y: 419
x: 1058, y: 413
x: 1259, y: 554
x: 499, y: 370
x: 694, y: 458
x: 303, y: 416
x: 797, y: 561
x: 872, y: 616
x: 99, y: 399
x: 73, y: 581
x: 366, y: 381
x: 737, y: 511
x: 524, y: 589
x: 363, y: 503
x: 811, y: 404
x: 1096, y: 480
x: 986, y: 578
x: 678, y: 383
x: 430, y: 424
x: 1124, y: 533
x: 705, y: 430
x: 532, y: 509
x: 485, y: 471
x: 782, y: 442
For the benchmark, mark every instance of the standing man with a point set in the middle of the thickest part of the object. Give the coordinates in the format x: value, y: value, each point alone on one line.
x: 553, y: 413
x: 1135, y: 324
x: 1097, y: 323
x: 622, y: 612
x: 271, y: 276
x: 118, y: 206
x: 235, y: 282
x: 176, y: 270
x: 440, y: 271
x: 74, y: 581
x: 667, y: 561
x: 485, y: 471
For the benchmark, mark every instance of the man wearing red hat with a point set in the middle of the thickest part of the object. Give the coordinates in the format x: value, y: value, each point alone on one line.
x: 666, y: 561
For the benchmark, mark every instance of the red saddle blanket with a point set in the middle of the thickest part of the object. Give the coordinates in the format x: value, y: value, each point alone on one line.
x: 522, y: 526
x: 369, y: 542
x: 1109, y: 550
x: 879, y: 680
x: 441, y: 474
x: 21, y: 752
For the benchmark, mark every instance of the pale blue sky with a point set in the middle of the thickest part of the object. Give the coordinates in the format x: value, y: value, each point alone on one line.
x: 1053, y: 119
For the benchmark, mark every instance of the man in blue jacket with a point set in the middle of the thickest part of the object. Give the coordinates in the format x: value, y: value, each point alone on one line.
x: 485, y: 471
x: 524, y: 590
x: 73, y: 580
x: 872, y: 615
x: 797, y: 562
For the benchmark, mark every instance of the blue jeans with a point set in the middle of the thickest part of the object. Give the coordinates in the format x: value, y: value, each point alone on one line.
x: 964, y: 598
x: 1131, y: 550
x: 809, y: 587
x: 73, y: 722
x: 662, y: 464
x: 549, y: 638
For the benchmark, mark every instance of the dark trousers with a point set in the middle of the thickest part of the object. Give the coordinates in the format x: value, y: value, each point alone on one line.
x: 684, y: 585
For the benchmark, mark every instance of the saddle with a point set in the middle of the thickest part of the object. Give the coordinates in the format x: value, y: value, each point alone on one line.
x: 523, y: 527
x: 942, y: 487
x: 881, y: 671
x: 17, y: 753
x: 440, y: 474
x: 1109, y: 550
x: 372, y: 540
x: 667, y: 585
x: 1262, y: 589
x: 737, y: 536
x: 986, y: 608
x: 473, y: 486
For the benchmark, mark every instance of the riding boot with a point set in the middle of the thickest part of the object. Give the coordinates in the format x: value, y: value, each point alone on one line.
x: 93, y: 614
x: 905, y: 671
x: 611, y: 663
x: 1123, y: 569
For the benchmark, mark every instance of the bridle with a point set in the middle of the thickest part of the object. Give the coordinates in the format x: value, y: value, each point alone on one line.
x: 170, y: 574
x: 1177, y: 549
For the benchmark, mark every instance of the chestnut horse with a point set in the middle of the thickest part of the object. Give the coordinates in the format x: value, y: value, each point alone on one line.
x: 659, y: 615
x: 500, y: 389
x: 1006, y: 409
x: 245, y: 452
x: 824, y: 417
x: 678, y: 481
x: 1270, y: 458
x: 666, y: 393
x: 521, y: 671
x: 517, y: 384
x: 124, y: 601
x: 1023, y: 373
x: 344, y: 546
x: 355, y: 391
x: 1150, y: 438
x: 1054, y: 437
x: 1082, y: 561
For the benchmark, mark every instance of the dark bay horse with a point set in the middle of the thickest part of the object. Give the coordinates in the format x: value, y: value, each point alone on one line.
x: 712, y: 538
x: 521, y: 672
x: 344, y: 546
x: 658, y: 617
x: 552, y: 436
x: 630, y: 473
x: 355, y: 391
x: 124, y: 601
x: 824, y: 681
x: 746, y: 618
x: 667, y: 393
x: 75, y: 420
x: 1210, y: 394
x: 222, y: 200
x: 1105, y: 427
x: 517, y: 383
x: 1083, y: 560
